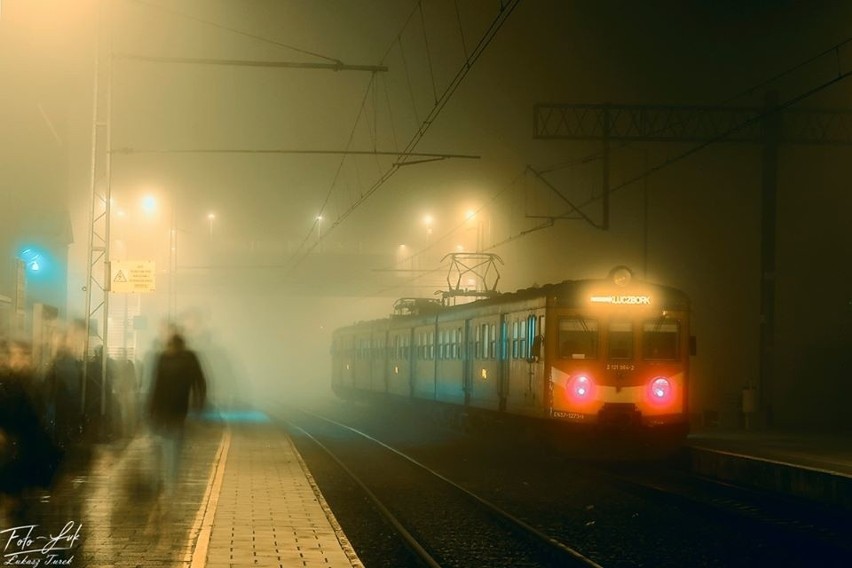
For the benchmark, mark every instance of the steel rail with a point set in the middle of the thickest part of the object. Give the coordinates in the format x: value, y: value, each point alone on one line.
x: 504, y: 515
x: 409, y: 539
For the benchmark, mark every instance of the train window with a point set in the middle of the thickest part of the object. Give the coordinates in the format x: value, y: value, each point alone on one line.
x: 660, y: 340
x: 492, y: 341
x: 483, y: 353
x: 578, y: 338
x: 531, y: 332
x: 457, y: 339
x: 515, y: 339
x: 620, y: 340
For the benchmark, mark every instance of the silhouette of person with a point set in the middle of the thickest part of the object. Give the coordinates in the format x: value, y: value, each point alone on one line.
x: 28, y: 456
x: 125, y: 388
x: 64, y: 387
x: 179, y: 384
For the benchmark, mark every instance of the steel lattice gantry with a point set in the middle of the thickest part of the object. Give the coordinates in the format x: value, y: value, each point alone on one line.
x: 650, y: 123
x: 770, y: 125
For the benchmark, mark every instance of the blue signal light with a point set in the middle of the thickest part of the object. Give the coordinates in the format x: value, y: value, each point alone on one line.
x: 34, y: 259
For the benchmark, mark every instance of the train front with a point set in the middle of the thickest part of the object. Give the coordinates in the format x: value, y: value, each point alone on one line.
x: 621, y: 355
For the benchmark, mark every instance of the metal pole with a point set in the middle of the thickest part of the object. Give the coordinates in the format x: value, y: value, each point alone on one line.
x: 173, y: 246
x: 92, y: 216
x: 645, y: 220
x: 605, y: 181
x: 771, y: 133
x: 107, y: 217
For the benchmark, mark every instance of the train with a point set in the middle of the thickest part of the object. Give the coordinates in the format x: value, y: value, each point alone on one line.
x: 609, y: 353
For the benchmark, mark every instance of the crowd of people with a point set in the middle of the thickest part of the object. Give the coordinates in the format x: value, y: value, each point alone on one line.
x: 48, y: 415
x: 51, y: 414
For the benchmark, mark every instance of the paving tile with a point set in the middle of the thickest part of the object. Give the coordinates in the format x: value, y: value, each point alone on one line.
x: 269, y: 511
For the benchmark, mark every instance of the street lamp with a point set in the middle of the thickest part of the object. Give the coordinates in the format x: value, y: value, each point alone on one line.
x: 428, y: 220
x: 475, y: 223
x: 403, y: 254
x: 210, y: 218
x: 149, y: 204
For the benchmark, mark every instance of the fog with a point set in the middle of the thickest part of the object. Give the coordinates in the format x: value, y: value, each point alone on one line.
x: 262, y: 283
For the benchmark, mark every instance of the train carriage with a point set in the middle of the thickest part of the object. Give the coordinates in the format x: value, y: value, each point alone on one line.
x: 608, y: 352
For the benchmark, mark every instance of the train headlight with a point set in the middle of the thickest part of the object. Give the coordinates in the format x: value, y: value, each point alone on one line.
x: 660, y: 389
x: 621, y: 276
x: 580, y: 388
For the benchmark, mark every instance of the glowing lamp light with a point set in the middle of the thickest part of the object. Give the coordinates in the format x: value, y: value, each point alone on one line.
x: 34, y: 259
x: 580, y: 388
x: 621, y: 276
x: 660, y: 389
x: 149, y: 203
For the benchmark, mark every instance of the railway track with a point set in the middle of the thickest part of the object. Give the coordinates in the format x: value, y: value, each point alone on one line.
x: 617, y: 515
x: 803, y: 525
x: 442, y: 523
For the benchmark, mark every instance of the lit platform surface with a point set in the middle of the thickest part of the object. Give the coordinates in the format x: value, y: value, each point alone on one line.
x: 245, y: 499
x: 817, y: 467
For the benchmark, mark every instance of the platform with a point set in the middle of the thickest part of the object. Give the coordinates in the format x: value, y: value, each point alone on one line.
x: 815, y: 466
x: 245, y: 499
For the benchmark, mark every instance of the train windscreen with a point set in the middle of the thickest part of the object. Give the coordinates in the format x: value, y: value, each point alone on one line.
x: 578, y: 338
x: 660, y: 340
x: 620, y: 340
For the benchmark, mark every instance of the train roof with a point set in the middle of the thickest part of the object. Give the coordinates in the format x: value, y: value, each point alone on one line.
x: 568, y: 293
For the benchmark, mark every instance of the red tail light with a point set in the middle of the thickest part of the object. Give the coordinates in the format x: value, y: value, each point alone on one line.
x: 580, y: 388
x: 660, y: 390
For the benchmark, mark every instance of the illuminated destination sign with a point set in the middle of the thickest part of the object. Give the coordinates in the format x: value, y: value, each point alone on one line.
x: 630, y: 300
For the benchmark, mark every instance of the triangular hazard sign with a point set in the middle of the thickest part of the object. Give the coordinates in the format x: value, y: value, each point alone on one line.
x: 119, y: 277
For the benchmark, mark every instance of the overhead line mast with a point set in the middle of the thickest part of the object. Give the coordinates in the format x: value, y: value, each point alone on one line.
x: 770, y: 125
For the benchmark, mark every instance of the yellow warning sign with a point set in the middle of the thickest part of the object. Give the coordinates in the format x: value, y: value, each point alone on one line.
x: 132, y: 276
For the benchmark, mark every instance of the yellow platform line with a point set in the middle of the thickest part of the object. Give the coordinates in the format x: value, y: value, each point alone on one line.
x: 203, y: 524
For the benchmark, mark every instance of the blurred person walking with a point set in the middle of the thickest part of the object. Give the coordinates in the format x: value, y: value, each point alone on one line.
x: 101, y: 405
x: 28, y: 456
x: 63, y: 385
x: 125, y: 387
x: 179, y: 385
